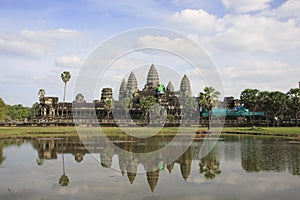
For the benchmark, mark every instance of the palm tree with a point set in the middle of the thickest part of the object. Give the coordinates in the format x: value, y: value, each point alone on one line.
x: 209, y: 165
x: 64, y: 179
x: 208, y: 99
x: 41, y: 93
x: 65, y: 76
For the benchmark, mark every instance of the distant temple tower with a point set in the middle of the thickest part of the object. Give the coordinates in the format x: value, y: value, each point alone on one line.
x: 185, y: 87
x: 122, y: 90
x: 152, y: 78
x: 170, y: 87
x: 79, y: 99
x: 132, y: 85
x: 152, y: 178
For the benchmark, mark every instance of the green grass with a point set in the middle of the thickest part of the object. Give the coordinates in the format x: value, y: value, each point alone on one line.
x: 275, y: 131
x: 72, y: 131
x: 36, y: 131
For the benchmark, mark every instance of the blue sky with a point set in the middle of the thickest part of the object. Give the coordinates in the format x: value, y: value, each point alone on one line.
x: 254, y: 43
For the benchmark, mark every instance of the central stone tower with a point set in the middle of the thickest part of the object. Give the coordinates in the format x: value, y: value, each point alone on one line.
x: 152, y: 78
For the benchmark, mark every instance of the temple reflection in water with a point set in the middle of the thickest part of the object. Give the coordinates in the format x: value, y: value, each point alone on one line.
x: 252, y: 154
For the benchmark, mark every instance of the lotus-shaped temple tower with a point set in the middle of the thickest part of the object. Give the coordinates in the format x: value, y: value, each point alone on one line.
x: 185, y: 87
x: 152, y: 78
x: 122, y: 90
x: 132, y: 85
x: 170, y: 87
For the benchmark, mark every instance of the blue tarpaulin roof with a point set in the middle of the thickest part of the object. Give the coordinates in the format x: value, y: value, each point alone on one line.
x: 236, y: 112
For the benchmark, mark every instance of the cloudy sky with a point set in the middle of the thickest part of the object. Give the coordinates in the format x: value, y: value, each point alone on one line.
x: 253, y: 43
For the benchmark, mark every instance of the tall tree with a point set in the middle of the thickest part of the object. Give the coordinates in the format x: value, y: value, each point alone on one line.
x: 278, y: 102
x: 294, y: 102
x: 263, y: 103
x: 64, y: 179
x: 65, y: 76
x: 249, y: 98
x: 208, y: 99
x: 146, y: 103
x: 108, y: 105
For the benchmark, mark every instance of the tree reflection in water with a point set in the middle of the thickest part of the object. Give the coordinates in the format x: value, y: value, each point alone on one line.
x: 209, y: 165
x: 64, y: 179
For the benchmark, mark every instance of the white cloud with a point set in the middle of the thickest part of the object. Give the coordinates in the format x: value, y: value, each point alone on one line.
x: 258, y: 33
x: 68, y: 61
x: 34, y: 43
x: 48, y: 34
x: 289, y: 9
x: 238, y: 32
x: 261, y: 74
x: 21, y: 48
x: 183, y: 46
x: 244, y: 6
x: 198, y: 20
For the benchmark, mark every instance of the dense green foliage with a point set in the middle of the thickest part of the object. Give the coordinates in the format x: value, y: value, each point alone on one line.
x: 276, y: 105
x: 146, y: 103
x: 17, y: 112
x: 3, y: 110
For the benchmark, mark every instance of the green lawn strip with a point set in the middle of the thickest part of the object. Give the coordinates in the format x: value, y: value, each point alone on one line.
x: 35, y: 131
x: 275, y: 131
x: 72, y: 131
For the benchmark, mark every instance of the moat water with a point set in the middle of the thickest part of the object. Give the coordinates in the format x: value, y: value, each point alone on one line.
x: 237, y: 168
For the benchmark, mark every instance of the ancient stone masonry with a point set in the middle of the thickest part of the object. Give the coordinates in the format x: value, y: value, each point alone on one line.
x: 106, y: 94
x: 166, y: 100
x: 152, y: 78
x: 122, y: 90
x: 185, y: 87
x: 170, y: 87
x: 132, y: 86
x: 79, y: 99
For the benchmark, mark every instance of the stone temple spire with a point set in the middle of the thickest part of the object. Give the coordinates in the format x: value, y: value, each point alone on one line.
x: 152, y: 78
x: 132, y: 85
x: 170, y: 87
x: 152, y: 178
x: 185, y: 87
x: 122, y: 90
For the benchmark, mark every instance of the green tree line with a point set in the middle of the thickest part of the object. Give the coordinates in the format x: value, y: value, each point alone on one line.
x: 276, y: 105
x: 15, y: 112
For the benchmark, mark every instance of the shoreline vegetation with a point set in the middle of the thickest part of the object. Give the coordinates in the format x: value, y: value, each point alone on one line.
x: 30, y: 132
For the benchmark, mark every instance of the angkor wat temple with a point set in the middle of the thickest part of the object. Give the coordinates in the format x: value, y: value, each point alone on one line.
x: 127, y: 107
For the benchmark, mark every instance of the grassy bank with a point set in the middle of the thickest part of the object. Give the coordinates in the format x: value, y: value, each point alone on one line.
x: 271, y: 131
x: 36, y: 131
x: 72, y: 131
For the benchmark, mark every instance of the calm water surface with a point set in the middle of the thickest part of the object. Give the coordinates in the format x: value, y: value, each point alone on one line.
x: 236, y: 168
